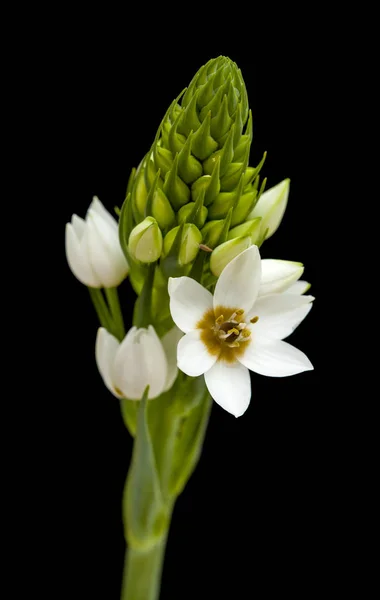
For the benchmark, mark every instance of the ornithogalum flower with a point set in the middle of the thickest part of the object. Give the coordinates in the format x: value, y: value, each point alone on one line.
x: 241, y: 327
x: 141, y: 359
x: 93, y: 249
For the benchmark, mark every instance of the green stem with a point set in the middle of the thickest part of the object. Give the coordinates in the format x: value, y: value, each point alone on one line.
x: 114, y: 304
x: 101, y: 308
x: 142, y: 572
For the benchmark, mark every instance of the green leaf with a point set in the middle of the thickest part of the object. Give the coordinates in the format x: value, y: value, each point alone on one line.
x: 143, y: 507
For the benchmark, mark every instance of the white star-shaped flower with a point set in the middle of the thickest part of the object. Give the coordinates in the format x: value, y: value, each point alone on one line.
x: 257, y: 303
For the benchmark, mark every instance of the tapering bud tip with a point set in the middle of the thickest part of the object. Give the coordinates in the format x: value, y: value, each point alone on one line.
x: 223, y: 254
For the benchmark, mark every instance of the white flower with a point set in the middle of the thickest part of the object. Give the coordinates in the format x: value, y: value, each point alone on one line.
x: 93, y: 249
x: 141, y: 359
x: 241, y: 327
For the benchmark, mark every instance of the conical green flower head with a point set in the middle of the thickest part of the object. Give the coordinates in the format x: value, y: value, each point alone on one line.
x: 196, y: 171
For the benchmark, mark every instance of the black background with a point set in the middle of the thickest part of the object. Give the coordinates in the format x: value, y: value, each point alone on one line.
x: 251, y: 519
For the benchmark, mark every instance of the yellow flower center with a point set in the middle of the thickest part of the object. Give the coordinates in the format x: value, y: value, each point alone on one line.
x: 224, y: 332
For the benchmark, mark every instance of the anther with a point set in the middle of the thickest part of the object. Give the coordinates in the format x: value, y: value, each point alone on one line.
x: 233, y: 330
x: 219, y: 320
x: 245, y: 333
x: 254, y: 319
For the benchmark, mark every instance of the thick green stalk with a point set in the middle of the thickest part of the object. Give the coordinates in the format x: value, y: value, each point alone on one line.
x: 142, y: 572
x: 114, y: 304
x: 169, y: 436
x: 101, y: 309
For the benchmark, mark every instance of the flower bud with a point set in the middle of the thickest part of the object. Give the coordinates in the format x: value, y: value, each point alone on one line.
x: 145, y: 241
x: 93, y: 249
x: 271, y: 207
x: 127, y: 368
x: 185, y: 212
x: 189, y: 246
x: 224, y: 253
x: 251, y: 228
x: 211, y: 232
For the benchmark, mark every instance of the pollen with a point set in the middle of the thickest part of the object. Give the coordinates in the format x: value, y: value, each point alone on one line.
x: 254, y: 319
x: 233, y: 330
x: 224, y: 332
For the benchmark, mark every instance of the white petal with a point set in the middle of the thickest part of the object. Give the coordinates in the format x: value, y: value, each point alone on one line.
x: 281, y: 325
x: 279, y: 315
x: 77, y: 258
x: 189, y: 301
x: 105, y: 253
x: 193, y: 356
x: 277, y: 304
x: 97, y: 207
x: 299, y: 287
x: 170, y: 342
x: 230, y: 386
x: 78, y: 225
x: 271, y: 207
x: 239, y: 282
x: 140, y: 361
x: 278, y: 275
x: 274, y: 358
x: 105, y: 351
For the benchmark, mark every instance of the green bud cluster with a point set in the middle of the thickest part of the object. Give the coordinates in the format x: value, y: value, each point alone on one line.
x: 195, y: 182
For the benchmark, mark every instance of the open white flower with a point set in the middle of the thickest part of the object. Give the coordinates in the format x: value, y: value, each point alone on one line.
x: 141, y: 359
x: 237, y: 329
x: 93, y: 249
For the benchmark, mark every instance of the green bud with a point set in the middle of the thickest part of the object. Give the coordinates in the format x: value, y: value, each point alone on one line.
x: 186, y: 211
x: 175, y: 189
x: 225, y: 154
x: 224, y: 201
x: 211, y: 232
x: 190, y: 240
x: 145, y: 241
x: 189, y: 168
x: 241, y: 210
x: 216, y: 232
x: 163, y: 158
x: 209, y: 183
x: 176, y: 141
x: 196, y: 174
x: 250, y: 228
x: 203, y: 143
x: 162, y: 210
x: 139, y: 195
x: 223, y: 254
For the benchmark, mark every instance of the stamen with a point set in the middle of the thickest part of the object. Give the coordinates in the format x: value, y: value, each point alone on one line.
x: 223, y: 335
x: 237, y: 315
x: 254, y: 319
x: 233, y: 330
x: 234, y: 345
x: 245, y: 333
x: 219, y: 320
x: 242, y: 325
